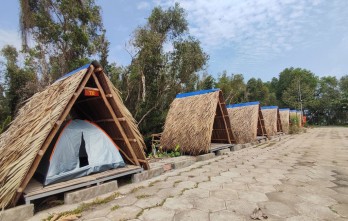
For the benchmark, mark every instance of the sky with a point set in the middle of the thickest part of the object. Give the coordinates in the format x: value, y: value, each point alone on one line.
x: 258, y: 38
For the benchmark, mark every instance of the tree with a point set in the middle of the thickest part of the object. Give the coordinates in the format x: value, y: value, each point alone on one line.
x: 207, y: 82
x: 65, y: 33
x: 20, y: 83
x: 155, y: 76
x: 294, y: 82
x: 258, y: 91
x: 233, y: 87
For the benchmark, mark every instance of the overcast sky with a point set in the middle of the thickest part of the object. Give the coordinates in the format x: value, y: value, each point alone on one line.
x: 255, y: 38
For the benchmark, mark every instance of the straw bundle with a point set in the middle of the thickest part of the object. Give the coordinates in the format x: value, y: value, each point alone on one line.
x: 19, y: 145
x: 270, y: 118
x: 189, y: 123
x: 244, y: 122
x: 299, y: 117
x: 284, y: 118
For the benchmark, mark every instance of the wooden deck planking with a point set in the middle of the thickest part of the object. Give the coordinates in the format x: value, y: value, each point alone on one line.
x: 34, y: 187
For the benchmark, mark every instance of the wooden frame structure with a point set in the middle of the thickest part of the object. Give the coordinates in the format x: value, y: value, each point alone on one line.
x: 39, y: 121
x: 198, y: 122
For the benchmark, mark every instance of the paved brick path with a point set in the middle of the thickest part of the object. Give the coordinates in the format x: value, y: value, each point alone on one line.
x: 303, y: 177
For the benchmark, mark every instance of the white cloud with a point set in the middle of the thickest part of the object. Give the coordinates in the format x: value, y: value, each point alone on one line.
x: 143, y: 5
x: 257, y: 31
x: 10, y: 37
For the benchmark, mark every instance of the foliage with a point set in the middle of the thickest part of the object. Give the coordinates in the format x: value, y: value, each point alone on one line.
x: 159, y: 153
x: 233, y: 87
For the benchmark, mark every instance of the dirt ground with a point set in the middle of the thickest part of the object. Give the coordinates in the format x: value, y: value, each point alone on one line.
x: 302, y: 177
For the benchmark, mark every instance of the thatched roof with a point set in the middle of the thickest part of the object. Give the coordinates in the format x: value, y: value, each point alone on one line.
x: 195, y: 120
x: 38, y: 121
x: 271, y: 117
x: 244, y: 121
x: 284, y: 118
x: 299, y: 116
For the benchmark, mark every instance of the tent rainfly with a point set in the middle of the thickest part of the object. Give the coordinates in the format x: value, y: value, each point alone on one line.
x: 246, y: 121
x: 196, y: 121
x: 284, y: 118
x: 272, y: 120
x: 87, y: 94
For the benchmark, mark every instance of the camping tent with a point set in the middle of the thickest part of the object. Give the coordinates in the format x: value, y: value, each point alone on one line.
x: 246, y: 121
x: 85, y: 93
x: 272, y: 120
x: 284, y: 118
x: 82, y: 148
x: 197, y: 122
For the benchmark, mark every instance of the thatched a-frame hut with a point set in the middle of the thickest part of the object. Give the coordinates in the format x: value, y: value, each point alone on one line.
x: 299, y: 117
x: 272, y: 120
x: 246, y: 121
x: 85, y: 93
x: 197, y: 122
x: 284, y: 118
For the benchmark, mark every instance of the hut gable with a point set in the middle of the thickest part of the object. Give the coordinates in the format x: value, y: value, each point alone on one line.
x: 272, y: 120
x: 39, y: 120
x: 284, y: 118
x: 195, y: 120
x: 244, y: 118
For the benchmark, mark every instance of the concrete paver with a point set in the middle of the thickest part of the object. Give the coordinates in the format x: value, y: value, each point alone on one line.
x: 301, y: 177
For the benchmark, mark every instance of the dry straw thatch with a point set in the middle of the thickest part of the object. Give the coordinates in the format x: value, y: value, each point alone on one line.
x: 195, y: 120
x: 38, y: 121
x: 244, y: 121
x: 270, y: 114
x: 284, y: 118
x: 299, y: 117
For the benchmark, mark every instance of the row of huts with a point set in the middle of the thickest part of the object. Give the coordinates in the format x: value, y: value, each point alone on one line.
x: 77, y: 133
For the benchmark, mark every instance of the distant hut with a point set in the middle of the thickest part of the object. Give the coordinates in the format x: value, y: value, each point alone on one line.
x: 272, y: 120
x: 198, y: 122
x: 246, y: 121
x: 293, y: 117
x: 284, y: 118
x: 76, y: 127
x: 299, y: 116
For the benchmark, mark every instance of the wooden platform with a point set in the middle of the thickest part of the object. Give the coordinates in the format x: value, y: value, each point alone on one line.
x: 36, y: 190
x: 219, y: 146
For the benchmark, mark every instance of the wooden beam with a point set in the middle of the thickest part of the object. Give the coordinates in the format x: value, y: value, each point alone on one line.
x: 51, y: 135
x: 121, y: 139
x: 91, y: 88
x: 225, y: 124
x: 118, y: 125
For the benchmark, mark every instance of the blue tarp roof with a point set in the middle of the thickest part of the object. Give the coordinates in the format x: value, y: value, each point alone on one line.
x: 73, y: 72
x: 284, y: 109
x: 269, y: 107
x: 189, y: 94
x: 243, y: 104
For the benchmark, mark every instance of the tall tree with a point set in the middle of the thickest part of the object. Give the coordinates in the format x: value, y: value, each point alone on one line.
x: 65, y: 34
x: 156, y: 75
x: 258, y: 91
x: 233, y: 87
x: 20, y: 83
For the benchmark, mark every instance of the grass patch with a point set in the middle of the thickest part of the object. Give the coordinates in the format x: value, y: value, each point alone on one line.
x: 154, y: 182
x: 84, y: 206
x: 136, y: 189
x: 116, y: 207
x: 143, y: 196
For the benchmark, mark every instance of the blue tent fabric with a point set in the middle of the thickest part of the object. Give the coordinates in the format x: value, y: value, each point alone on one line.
x: 194, y: 93
x: 284, y: 109
x: 67, y: 161
x: 269, y: 107
x: 73, y: 72
x: 243, y: 104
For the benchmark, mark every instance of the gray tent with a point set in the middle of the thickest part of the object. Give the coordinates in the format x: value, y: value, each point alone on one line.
x: 82, y: 148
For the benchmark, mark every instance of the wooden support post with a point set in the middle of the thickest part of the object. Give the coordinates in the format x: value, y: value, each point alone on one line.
x: 225, y: 124
x: 51, y: 135
x: 118, y: 125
